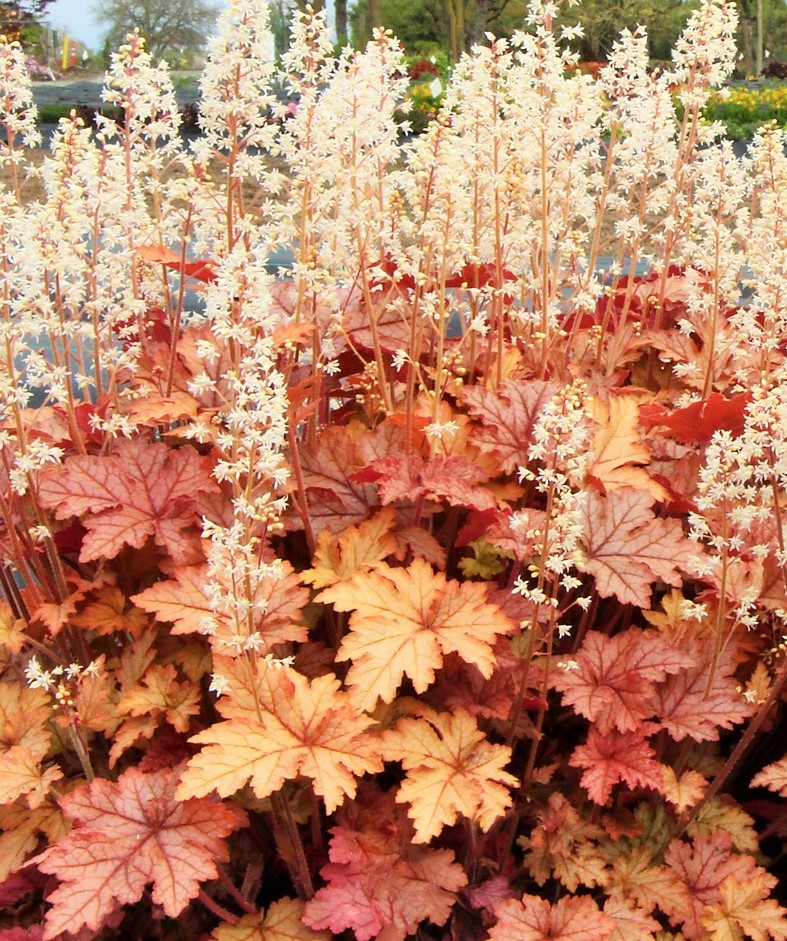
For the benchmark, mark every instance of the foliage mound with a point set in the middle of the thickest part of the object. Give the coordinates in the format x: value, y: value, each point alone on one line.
x: 435, y: 588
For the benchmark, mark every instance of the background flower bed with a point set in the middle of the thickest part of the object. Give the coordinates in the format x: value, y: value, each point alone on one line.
x: 438, y: 589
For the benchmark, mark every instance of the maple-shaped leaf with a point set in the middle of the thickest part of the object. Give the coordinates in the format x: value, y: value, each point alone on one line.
x: 281, y: 922
x: 108, y: 612
x: 745, y: 909
x: 404, y: 621
x: 142, y: 490
x: 507, y: 416
x: 626, y: 547
x: 127, y: 835
x: 615, y: 757
x: 631, y: 923
x: 635, y: 875
x: 21, y: 828
x: 684, y: 791
x: 24, y: 713
x: 358, y: 548
x: 452, y: 770
x: 409, y: 478
x: 773, y: 776
x: 185, y: 600
x: 722, y: 814
x: 11, y: 630
x: 614, y: 684
x: 687, y: 707
x: 565, y: 846
x: 297, y: 727
x: 161, y: 692
x: 335, y: 501
x: 379, y: 884
x: 21, y: 774
x: 697, y: 422
x: 571, y: 918
x: 702, y: 866
x: 154, y: 409
x: 619, y: 453
x: 463, y: 686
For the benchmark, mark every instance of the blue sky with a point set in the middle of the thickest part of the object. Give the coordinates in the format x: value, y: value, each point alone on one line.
x: 77, y: 19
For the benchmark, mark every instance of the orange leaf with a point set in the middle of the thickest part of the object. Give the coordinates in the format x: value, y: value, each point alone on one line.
x: 702, y: 868
x: 687, y: 707
x: 684, y: 791
x: 23, y: 714
x: 11, y: 630
x: 572, y: 918
x: 745, y: 909
x: 452, y: 770
x: 564, y: 846
x: 127, y: 835
x: 507, y: 418
x: 159, y: 691
x: 774, y: 776
x: 631, y: 923
x: 199, y: 269
x: 106, y: 613
x: 358, y: 548
x: 308, y: 728
x: 282, y: 922
x: 697, y: 422
x: 184, y: 600
x: 618, y: 448
x: 21, y: 774
x: 405, y: 621
x: 141, y: 490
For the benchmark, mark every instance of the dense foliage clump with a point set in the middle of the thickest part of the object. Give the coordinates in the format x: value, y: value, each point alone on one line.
x: 435, y: 587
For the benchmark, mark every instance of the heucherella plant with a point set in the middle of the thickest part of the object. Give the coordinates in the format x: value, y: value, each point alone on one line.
x: 392, y: 525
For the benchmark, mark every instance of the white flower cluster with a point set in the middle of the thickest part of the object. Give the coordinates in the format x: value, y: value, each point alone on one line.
x: 144, y: 92
x: 561, y: 435
x: 236, y: 105
x: 17, y: 109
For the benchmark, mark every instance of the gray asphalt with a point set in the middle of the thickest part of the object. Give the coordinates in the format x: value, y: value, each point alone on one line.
x: 86, y: 92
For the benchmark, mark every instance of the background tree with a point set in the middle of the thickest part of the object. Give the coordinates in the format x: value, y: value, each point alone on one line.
x: 452, y: 25
x: 17, y: 16
x: 602, y: 21
x: 170, y: 27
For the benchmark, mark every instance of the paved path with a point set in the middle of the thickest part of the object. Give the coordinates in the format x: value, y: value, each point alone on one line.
x: 87, y: 92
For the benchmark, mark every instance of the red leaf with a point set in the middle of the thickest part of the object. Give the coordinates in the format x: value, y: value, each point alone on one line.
x: 482, y: 275
x: 127, y: 835
x: 627, y: 547
x: 141, y: 490
x: 409, y: 478
x: 200, y: 269
x: 572, y: 918
x: 696, y: 423
x: 615, y: 757
x: 702, y: 868
x: 390, y: 269
x: 378, y: 883
x: 687, y: 708
x: 614, y: 683
x: 507, y: 416
x: 335, y: 500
